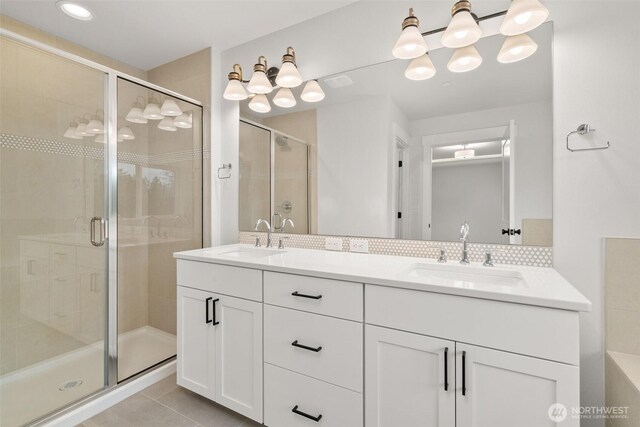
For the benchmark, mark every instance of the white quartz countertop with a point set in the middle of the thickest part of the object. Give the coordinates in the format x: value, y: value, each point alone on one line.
x: 538, y: 286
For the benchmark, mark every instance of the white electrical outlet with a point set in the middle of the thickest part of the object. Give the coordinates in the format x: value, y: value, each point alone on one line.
x: 359, y: 245
x: 333, y: 243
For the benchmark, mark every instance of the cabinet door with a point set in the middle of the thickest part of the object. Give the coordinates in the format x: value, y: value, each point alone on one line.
x: 405, y: 379
x: 196, y: 341
x: 499, y: 389
x: 239, y: 355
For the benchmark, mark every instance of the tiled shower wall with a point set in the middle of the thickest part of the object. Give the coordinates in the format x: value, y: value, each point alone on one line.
x: 537, y: 256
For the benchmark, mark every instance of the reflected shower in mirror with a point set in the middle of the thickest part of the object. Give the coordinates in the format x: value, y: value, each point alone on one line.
x: 386, y: 156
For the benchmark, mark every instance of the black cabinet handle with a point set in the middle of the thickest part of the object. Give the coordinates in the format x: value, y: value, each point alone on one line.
x: 206, y: 305
x: 297, y: 294
x: 316, y: 349
x: 311, y: 417
x: 464, y: 376
x: 214, y: 311
x: 446, y: 369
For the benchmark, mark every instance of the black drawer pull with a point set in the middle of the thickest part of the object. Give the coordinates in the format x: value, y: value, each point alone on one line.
x: 215, y: 322
x: 206, y: 305
x: 464, y: 373
x: 296, y: 294
x: 295, y: 344
x: 446, y: 369
x: 311, y: 417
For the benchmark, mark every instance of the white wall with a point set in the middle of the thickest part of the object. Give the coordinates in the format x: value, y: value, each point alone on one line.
x: 596, y: 65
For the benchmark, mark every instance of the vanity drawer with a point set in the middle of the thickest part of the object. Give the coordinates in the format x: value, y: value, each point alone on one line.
x: 339, y: 358
x: 234, y: 281
x: 330, y: 297
x: 285, y: 390
x: 62, y: 253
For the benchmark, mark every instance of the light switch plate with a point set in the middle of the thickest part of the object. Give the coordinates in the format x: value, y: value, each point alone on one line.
x: 359, y: 245
x: 333, y: 243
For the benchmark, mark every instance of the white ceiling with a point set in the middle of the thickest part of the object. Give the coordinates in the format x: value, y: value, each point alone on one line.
x: 146, y: 33
x: 492, y: 85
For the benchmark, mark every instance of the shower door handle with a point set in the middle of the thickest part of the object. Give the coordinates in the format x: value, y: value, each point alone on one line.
x: 102, y: 233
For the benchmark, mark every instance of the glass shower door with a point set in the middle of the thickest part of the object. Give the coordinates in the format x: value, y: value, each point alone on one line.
x: 52, y: 278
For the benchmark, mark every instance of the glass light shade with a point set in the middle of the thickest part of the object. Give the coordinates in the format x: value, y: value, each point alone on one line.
x: 410, y: 44
x: 95, y: 126
x: 235, y: 91
x: 152, y: 112
x: 167, y: 124
x: 125, y: 133
x: 71, y: 132
x: 170, y: 108
x: 288, y: 76
x: 260, y: 104
x: 284, y: 98
x: 464, y: 59
x: 259, y: 83
x: 523, y: 16
x: 517, y: 48
x: 312, y: 92
x: 100, y: 138
x: 135, y: 115
x: 420, y: 68
x: 464, y: 154
x: 184, y: 121
x: 81, y: 130
x: 462, y: 31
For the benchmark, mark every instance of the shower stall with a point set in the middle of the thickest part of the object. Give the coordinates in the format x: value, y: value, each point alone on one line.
x: 101, y: 180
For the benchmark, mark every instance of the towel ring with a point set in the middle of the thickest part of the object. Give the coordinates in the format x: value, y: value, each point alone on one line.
x: 227, y: 167
x: 584, y: 129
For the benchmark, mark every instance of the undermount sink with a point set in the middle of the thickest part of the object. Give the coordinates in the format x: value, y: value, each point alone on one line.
x: 251, y: 253
x: 464, y: 276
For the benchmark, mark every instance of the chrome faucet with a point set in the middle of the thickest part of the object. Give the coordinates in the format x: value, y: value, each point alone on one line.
x: 283, y: 224
x: 464, y: 234
x: 266, y: 223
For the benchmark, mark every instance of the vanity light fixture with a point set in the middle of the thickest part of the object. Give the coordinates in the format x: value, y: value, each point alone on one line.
x: 523, y: 16
x: 167, y: 124
x: 125, y: 133
x: 517, y: 48
x: 81, y: 130
x: 75, y: 10
x: 170, y: 108
x: 463, y: 29
x: 71, y: 131
x: 260, y: 103
x: 259, y: 83
x: 289, y: 76
x: 411, y: 43
x: 184, y: 121
x: 312, y: 92
x: 465, y: 153
x: 420, y: 68
x: 284, y: 98
x: 234, y: 90
x: 135, y: 114
x: 152, y: 110
x: 464, y: 59
x: 95, y: 125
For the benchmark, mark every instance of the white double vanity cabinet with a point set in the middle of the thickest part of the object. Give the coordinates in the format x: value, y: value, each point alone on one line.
x: 303, y: 338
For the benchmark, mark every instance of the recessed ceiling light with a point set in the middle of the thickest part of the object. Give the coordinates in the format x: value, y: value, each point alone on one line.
x: 75, y: 10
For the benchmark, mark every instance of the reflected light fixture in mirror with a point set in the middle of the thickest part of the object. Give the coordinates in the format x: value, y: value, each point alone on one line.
x: 167, y: 124
x: 75, y: 10
x: 410, y: 44
x: 312, y: 92
x: 464, y: 59
x: 259, y: 83
x: 95, y: 126
x: 234, y: 90
x: 523, y: 16
x: 135, y: 114
x: 420, y: 68
x: 184, y: 121
x: 125, y: 133
x: 463, y: 29
x: 260, y: 104
x: 152, y: 111
x: 71, y: 131
x: 81, y: 130
x: 289, y: 76
x: 465, y: 153
x: 284, y: 98
x: 170, y: 108
x: 517, y: 48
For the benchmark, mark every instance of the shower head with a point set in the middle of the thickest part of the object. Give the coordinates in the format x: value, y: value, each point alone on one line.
x: 282, y: 140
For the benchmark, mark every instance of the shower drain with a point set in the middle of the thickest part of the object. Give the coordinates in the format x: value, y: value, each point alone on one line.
x: 68, y: 385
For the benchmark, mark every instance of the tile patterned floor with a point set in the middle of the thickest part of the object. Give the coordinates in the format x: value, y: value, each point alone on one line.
x: 166, y: 404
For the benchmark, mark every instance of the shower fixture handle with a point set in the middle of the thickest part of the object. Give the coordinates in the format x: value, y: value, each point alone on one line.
x: 102, y: 234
